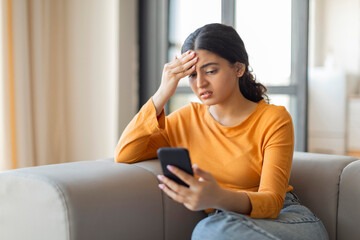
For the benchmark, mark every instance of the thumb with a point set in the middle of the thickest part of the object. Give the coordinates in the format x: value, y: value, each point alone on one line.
x: 204, y: 175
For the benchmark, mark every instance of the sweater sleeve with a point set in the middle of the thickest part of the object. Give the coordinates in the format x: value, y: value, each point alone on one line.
x: 278, y: 153
x: 143, y: 136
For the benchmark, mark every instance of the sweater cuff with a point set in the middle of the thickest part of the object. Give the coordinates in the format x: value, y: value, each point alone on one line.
x: 161, y: 119
x: 261, y: 209
x: 255, y: 205
x: 155, y: 122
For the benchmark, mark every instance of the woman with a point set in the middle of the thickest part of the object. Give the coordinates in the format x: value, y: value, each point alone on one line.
x: 241, y: 147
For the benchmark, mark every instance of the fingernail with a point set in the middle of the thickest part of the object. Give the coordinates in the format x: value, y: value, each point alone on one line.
x: 160, y: 177
x: 161, y: 186
x: 195, y: 166
x: 170, y: 167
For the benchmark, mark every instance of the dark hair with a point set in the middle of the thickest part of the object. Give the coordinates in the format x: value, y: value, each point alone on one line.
x: 225, y: 41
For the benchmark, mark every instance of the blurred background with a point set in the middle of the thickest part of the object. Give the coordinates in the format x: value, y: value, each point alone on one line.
x: 73, y: 73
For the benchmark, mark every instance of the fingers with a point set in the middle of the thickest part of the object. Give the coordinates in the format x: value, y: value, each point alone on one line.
x: 185, y: 64
x: 173, y: 189
x: 185, y: 57
x: 186, y: 68
x: 171, y: 184
x: 172, y: 194
x: 185, y: 177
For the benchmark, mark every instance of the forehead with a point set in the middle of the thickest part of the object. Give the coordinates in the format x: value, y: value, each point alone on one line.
x: 206, y: 56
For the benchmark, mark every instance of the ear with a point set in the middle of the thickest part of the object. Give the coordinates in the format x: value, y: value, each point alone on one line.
x: 240, y: 69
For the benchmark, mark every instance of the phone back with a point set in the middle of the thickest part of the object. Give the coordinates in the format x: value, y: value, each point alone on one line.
x: 178, y: 157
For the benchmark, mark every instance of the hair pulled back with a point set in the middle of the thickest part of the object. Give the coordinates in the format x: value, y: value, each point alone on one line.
x: 225, y: 42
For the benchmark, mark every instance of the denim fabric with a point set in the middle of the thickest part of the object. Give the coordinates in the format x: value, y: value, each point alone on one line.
x: 294, y: 222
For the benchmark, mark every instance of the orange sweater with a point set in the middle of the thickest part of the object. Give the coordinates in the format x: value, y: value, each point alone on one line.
x: 254, y: 156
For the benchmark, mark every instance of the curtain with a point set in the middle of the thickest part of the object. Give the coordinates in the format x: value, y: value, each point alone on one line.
x: 60, y: 81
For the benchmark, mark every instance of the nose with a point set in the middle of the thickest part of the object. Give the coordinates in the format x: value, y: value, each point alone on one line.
x: 201, y: 81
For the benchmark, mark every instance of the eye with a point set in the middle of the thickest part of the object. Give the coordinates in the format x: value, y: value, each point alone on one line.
x: 211, y: 72
x: 192, y: 75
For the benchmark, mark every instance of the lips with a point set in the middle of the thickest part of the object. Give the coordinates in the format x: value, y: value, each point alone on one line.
x: 206, y: 94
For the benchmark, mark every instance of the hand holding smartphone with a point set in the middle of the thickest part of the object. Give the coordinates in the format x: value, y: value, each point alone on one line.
x: 178, y: 157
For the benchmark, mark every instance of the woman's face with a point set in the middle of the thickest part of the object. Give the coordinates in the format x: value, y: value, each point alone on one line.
x: 215, y: 80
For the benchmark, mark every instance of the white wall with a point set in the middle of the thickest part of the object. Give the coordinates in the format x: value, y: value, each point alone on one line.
x: 334, y: 48
x: 128, y: 63
x: 337, y: 32
x: 92, y: 65
x: 104, y: 46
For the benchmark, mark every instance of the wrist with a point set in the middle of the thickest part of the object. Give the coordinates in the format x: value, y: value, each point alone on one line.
x: 159, y: 102
x: 221, y: 200
x: 233, y: 201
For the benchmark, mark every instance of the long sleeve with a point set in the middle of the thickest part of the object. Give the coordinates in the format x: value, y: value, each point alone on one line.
x: 278, y: 153
x: 143, y: 136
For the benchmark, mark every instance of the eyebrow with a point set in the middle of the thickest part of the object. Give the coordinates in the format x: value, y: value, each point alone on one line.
x: 208, y: 64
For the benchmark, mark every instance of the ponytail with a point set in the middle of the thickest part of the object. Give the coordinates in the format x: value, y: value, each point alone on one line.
x: 251, y: 89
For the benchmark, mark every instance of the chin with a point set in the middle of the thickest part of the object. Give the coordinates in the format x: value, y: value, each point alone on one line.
x: 208, y: 102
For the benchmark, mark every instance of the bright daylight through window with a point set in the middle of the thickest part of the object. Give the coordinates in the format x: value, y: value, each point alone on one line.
x: 268, y: 42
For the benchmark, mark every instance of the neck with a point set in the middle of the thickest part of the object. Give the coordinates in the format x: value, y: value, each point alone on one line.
x: 234, y: 112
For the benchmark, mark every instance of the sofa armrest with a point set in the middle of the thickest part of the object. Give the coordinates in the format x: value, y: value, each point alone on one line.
x: 349, y: 203
x: 80, y: 200
x: 316, y: 179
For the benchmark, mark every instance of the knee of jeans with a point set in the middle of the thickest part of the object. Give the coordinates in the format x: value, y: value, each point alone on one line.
x: 217, y: 226
x: 228, y: 225
x: 208, y: 228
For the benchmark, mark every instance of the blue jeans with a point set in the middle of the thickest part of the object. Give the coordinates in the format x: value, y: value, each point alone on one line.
x: 294, y: 222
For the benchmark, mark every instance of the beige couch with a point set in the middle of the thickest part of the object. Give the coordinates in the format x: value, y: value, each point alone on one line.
x: 106, y: 200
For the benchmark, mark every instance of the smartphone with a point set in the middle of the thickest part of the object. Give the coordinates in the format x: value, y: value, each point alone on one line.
x: 178, y: 157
